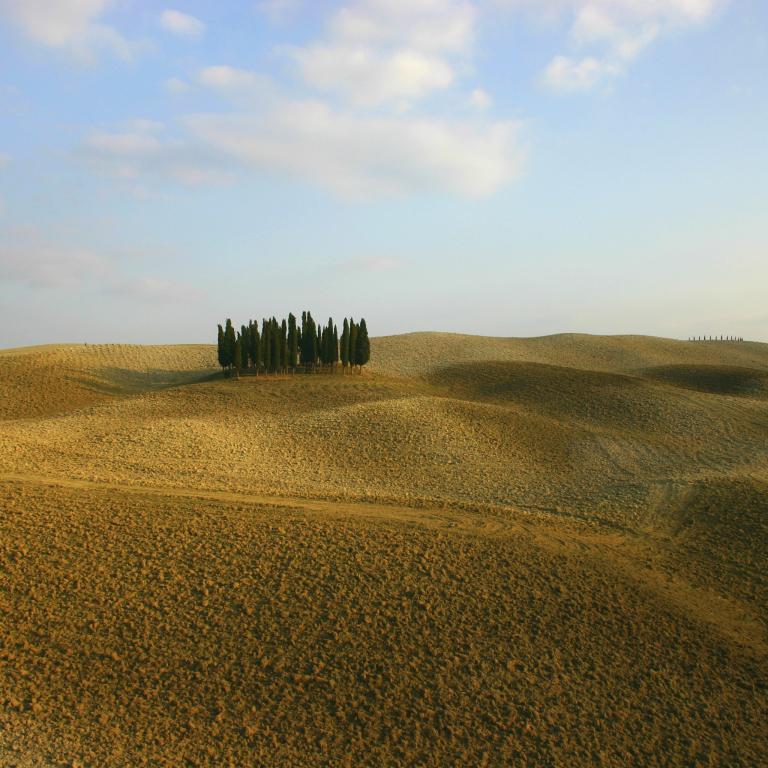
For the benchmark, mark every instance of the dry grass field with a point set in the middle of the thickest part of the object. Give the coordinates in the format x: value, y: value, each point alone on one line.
x: 481, y: 552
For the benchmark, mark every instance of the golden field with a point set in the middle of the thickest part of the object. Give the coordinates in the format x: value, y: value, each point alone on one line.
x: 481, y: 551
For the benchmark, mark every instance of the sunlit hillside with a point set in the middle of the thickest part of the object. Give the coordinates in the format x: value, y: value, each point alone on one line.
x: 423, y: 564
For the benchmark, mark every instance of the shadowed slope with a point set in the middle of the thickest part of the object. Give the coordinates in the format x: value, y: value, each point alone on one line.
x: 717, y: 379
x: 419, y: 354
x: 55, y: 379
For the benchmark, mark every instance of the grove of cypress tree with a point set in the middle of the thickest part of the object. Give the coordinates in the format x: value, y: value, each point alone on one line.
x: 282, y: 345
x: 363, y: 354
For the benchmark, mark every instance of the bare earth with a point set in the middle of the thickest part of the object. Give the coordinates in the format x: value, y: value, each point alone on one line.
x: 482, y: 551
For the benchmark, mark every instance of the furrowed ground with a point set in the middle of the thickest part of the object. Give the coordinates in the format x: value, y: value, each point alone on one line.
x: 480, y: 552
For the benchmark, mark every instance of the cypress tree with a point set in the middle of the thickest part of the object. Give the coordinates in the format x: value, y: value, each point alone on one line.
x: 363, y: 345
x: 345, y: 344
x: 293, y: 342
x: 245, y: 341
x: 276, y: 346
x: 221, y: 351
x: 306, y: 340
x: 229, y: 344
x: 335, y: 360
x: 253, y: 343
x: 318, y: 343
x: 256, y: 347
x: 284, y: 344
x: 323, y: 344
x: 238, y: 354
x: 328, y: 346
x: 266, y: 344
x: 352, y: 342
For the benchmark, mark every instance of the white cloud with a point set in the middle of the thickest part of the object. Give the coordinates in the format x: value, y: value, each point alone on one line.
x: 69, y: 25
x: 44, y: 265
x: 369, y: 78
x: 567, y: 74
x: 364, y: 156
x: 138, y: 150
x: 480, y: 99
x: 354, y: 155
x: 444, y: 26
x: 614, y: 32
x: 181, y: 24
x: 137, y: 139
x: 389, y: 51
x: 33, y: 261
x: 177, y: 85
x: 231, y: 80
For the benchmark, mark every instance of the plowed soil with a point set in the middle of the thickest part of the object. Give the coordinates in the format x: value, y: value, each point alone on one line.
x: 478, y: 552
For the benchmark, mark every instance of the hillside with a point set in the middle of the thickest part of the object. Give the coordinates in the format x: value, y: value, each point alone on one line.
x: 476, y: 547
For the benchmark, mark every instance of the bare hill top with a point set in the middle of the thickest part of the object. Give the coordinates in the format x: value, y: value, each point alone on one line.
x: 419, y: 354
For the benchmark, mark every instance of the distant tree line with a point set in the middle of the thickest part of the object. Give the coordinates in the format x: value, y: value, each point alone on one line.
x: 279, y: 347
x: 715, y: 338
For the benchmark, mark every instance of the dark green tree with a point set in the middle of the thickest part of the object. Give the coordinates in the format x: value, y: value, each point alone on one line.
x: 253, y: 345
x: 266, y: 345
x: 352, y: 342
x: 284, y: 344
x: 328, y: 343
x: 335, y: 347
x: 245, y: 341
x: 221, y: 348
x: 308, y: 340
x: 293, y: 342
x: 229, y: 343
x: 277, y: 348
x: 345, y: 344
x: 238, y: 354
x: 363, y: 354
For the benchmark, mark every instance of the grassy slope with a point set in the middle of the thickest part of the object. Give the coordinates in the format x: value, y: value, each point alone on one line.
x: 614, y: 584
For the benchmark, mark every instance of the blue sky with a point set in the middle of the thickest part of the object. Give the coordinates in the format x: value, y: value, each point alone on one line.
x: 503, y: 167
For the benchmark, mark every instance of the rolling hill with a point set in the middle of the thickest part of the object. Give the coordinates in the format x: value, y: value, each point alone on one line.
x: 480, y: 551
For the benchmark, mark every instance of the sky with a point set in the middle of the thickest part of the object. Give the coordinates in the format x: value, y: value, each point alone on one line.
x: 498, y: 167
